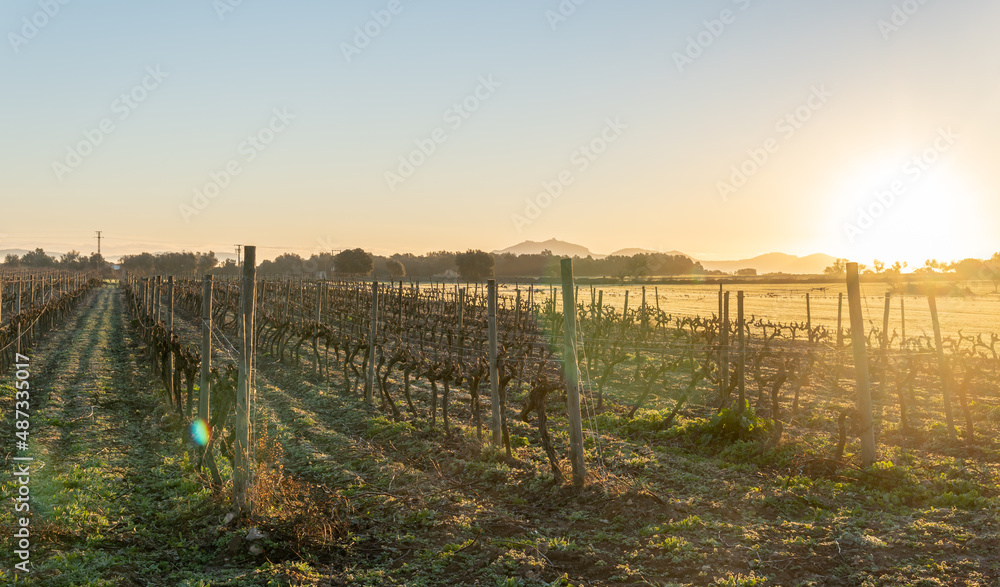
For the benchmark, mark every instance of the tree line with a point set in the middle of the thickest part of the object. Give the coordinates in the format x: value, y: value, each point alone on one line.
x: 472, y: 265
x: 39, y: 259
x: 964, y: 270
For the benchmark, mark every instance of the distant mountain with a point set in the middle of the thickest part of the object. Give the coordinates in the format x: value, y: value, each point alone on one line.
x: 632, y: 252
x: 774, y: 263
x: 558, y: 248
x: 769, y: 263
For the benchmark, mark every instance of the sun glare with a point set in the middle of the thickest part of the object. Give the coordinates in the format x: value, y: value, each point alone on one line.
x: 910, y: 209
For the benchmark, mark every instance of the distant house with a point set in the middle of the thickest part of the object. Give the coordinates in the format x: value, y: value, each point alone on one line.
x: 116, y: 267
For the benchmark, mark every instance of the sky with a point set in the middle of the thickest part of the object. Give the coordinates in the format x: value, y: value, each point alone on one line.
x: 725, y: 128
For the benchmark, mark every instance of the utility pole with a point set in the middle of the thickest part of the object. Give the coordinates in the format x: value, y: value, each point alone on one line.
x: 239, y: 248
x: 99, y: 244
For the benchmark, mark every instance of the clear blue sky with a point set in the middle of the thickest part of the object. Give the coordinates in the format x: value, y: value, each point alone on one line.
x: 864, y: 98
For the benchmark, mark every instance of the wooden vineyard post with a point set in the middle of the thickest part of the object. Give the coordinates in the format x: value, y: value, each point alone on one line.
x: 241, y: 469
x: 741, y: 364
x: 373, y: 331
x: 721, y: 392
x: 461, y: 310
x: 943, y: 366
x: 840, y: 320
x: 726, y: 324
x: 288, y: 299
x: 31, y: 306
x: 17, y: 313
x: 884, y: 354
x: 319, y: 317
x: 644, y: 319
x: 902, y: 322
x: 205, y: 390
x: 809, y: 318
x: 156, y: 299
x: 517, y: 311
x: 399, y: 305
x: 491, y: 314
x: 170, y: 351
x: 724, y: 352
x: 859, y: 343
x: 572, y: 376
x: 624, y: 311
x: 656, y: 296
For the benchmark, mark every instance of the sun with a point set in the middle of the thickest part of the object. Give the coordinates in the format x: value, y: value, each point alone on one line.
x: 910, y: 209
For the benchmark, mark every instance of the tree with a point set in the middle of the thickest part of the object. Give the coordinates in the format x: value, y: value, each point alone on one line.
x: 37, y: 258
x: 285, y: 263
x: 896, y: 269
x: 991, y: 270
x: 229, y: 267
x: 70, y: 260
x: 893, y: 275
x: 207, y: 262
x: 968, y: 268
x: 141, y: 263
x: 353, y: 262
x: 839, y: 267
x: 637, y: 266
x: 748, y: 272
x: 324, y: 262
x: 475, y: 265
x: 395, y: 268
x: 12, y: 260
x: 183, y: 263
x: 879, y: 267
x: 94, y: 261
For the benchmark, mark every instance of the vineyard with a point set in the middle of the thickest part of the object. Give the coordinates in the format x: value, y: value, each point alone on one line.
x: 32, y: 303
x: 398, y: 433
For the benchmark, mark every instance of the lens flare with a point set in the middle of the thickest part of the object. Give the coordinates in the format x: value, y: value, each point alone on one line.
x: 200, y: 432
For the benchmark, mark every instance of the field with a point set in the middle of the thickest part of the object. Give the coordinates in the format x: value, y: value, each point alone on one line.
x: 404, y: 487
x: 978, y: 313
